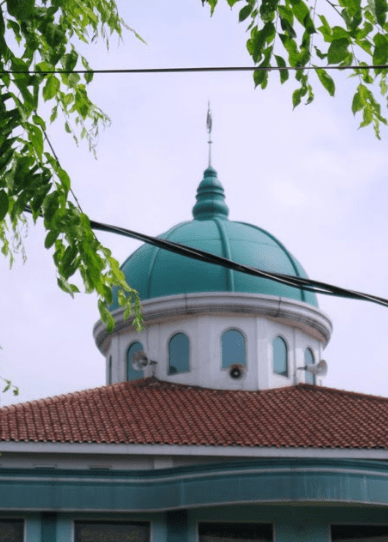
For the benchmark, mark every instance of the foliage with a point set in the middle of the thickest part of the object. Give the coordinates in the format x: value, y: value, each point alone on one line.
x: 40, y: 35
x: 9, y: 386
x: 294, y: 33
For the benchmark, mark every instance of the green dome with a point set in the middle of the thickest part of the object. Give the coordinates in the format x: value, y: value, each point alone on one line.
x: 155, y: 272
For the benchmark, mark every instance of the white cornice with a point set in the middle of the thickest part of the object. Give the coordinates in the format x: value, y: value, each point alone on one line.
x: 162, y: 309
x: 227, y: 452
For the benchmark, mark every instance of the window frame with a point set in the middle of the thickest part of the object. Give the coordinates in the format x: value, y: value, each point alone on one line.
x: 245, y: 363
x: 110, y: 369
x: 354, y: 525
x: 287, y: 373
x: 141, y: 373
x: 17, y: 519
x: 309, y: 375
x: 111, y: 522
x: 227, y: 522
x: 174, y: 334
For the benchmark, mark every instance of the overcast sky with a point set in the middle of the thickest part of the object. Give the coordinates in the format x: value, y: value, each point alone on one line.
x: 308, y: 176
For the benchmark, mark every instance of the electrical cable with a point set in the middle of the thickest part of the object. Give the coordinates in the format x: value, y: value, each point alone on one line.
x: 197, y: 69
x: 305, y: 284
x: 58, y: 162
x: 201, y: 255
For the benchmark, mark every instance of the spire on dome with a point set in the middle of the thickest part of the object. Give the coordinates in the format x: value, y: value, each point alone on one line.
x: 210, y: 198
x: 209, y: 125
x: 210, y: 193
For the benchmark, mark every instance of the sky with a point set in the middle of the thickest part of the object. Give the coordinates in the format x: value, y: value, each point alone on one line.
x: 308, y: 176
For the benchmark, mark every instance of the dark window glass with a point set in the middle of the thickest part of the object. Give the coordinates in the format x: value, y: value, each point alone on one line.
x: 280, y: 361
x: 110, y: 370
x: 132, y: 374
x: 235, y: 532
x: 11, y: 530
x: 112, y: 532
x: 309, y: 360
x: 362, y: 533
x: 233, y: 348
x: 179, y: 357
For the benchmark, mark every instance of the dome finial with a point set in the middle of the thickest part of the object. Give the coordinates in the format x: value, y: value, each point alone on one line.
x: 209, y: 125
x: 210, y: 198
x: 210, y: 193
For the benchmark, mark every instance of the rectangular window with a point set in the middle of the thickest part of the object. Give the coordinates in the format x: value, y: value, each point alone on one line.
x: 235, y: 532
x: 361, y: 533
x: 103, y: 531
x: 11, y: 530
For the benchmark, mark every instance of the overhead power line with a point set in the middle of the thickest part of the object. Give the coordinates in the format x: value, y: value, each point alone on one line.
x: 301, y: 283
x: 201, y: 255
x: 198, y: 69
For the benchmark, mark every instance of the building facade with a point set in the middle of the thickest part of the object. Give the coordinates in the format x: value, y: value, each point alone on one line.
x: 210, y: 428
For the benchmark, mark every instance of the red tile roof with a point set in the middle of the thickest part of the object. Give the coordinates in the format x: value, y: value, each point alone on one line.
x: 152, y: 412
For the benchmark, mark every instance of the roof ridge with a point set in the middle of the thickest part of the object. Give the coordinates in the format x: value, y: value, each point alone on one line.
x: 339, y: 391
x: 149, y: 382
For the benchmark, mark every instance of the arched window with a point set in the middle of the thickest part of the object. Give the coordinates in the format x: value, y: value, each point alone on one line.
x: 309, y: 360
x: 280, y: 357
x: 132, y: 374
x: 233, y: 348
x: 110, y: 370
x: 178, y: 354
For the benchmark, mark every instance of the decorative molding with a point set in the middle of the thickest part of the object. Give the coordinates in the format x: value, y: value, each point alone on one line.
x: 297, y: 314
x: 163, y: 450
x: 257, y: 482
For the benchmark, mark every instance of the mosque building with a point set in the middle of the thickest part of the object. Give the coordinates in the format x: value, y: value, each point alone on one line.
x: 214, y: 425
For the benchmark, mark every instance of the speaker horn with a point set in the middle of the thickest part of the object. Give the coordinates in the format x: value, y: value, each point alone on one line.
x: 236, y: 371
x: 139, y: 360
x: 317, y: 369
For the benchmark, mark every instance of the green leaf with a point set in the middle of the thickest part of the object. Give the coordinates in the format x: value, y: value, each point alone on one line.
x: 69, y: 60
x: 4, y: 204
x: 36, y: 137
x: 282, y: 64
x: 325, y: 29
x: 259, y: 39
x: 260, y: 77
x: 54, y: 113
x: 296, y: 97
x: 244, y: 13
x: 16, y: 29
x: 64, y: 178
x: 320, y: 55
x: 357, y: 103
x: 51, y: 88
x: 51, y: 237
x: 22, y: 10
x: 302, y: 14
x: 65, y: 286
x: 367, y: 116
x: 73, y: 80
x: 381, y: 9
x: 38, y: 120
x: 286, y: 13
x: 326, y: 81
x: 380, y: 53
x: 287, y: 27
x: 338, y: 51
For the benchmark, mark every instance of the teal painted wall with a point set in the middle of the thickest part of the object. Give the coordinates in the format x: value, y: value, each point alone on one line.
x: 309, y: 523
x: 177, y: 526
x: 49, y: 527
x: 300, y: 498
x: 266, y: 481
x: 33, y: 528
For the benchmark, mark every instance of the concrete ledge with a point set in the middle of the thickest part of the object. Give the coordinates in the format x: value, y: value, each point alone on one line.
x: 294, y: 313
